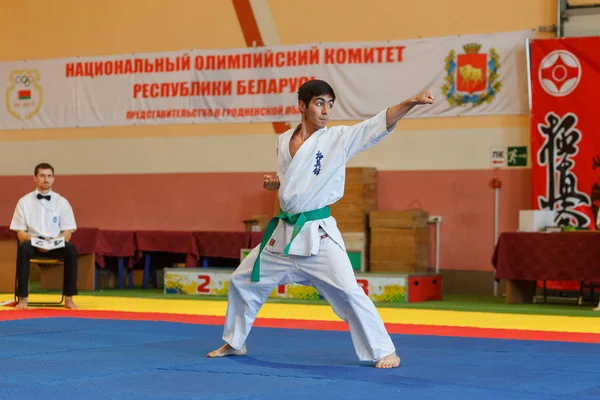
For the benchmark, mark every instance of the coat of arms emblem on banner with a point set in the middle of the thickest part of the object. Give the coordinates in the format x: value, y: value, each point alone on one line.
x: 24, y: 95
x: 471, y: 78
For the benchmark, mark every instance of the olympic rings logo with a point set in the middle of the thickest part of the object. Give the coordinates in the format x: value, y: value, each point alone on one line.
x: 24, y: 79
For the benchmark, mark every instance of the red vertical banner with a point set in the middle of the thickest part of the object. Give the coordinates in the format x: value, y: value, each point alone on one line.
x: 565, y: 129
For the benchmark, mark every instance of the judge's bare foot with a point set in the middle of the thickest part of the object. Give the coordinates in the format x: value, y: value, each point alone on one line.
x: 22, y: 304
x: 227, y: 350
x: 389, y: 361
x: 69, y: 303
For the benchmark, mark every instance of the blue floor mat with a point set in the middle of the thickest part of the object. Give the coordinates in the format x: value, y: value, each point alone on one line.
x: 70, y: 358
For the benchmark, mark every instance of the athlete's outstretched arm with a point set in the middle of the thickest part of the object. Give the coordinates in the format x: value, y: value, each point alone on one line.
x: 395, y: 113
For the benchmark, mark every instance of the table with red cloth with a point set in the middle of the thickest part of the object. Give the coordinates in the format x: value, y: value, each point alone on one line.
x: 222, y: 244
x: 255, y: 239
x: 7, y: 234
x: 121, y: 244
x: 180, y: 242
x: 91, y: 241
x: 522, y: 258
x: 101, y: 243
x: 87, y: 240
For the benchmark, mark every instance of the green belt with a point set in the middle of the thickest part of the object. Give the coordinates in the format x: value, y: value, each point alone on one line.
x: 298, y: 220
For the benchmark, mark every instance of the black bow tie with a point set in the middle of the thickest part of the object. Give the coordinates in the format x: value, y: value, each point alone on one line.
x: 41, y: 196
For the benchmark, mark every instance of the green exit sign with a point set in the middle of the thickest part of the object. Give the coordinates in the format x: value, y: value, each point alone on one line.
x: 516, y: 156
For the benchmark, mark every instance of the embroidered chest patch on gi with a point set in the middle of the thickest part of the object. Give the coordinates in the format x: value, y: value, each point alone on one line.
x: 272, y: 242
x: 55, y: 219
x: 318, y: 157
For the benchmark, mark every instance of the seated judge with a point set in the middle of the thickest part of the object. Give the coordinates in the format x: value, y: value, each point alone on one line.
x: 44, y: 214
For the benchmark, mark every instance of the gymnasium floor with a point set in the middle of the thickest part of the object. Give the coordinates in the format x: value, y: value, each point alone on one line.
x: 140, y: 344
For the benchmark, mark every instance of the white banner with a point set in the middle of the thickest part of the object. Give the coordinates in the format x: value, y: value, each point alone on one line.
x: 469, y: 75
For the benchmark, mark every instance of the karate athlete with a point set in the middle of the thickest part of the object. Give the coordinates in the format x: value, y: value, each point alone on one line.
x: 303, y: 244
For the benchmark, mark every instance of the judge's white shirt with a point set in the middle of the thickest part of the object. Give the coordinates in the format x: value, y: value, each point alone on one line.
x: 41, y: 217
x: 315, y: 177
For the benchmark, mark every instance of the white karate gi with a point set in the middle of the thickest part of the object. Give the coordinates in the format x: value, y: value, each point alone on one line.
x: 313, y: 179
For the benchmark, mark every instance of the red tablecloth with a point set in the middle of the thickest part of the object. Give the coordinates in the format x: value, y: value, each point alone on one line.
x: 121, y: 243
x: 222, y: 244
x: 116, y: 244
x: 7, y: 234
x: 109, y: 243
x: 255, y: 239
x: 89, y: 241
x: 169, y: 242
x: 560, y: 256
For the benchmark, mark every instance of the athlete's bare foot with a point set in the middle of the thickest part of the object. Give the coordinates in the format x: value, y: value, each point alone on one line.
x: 69, y: 303
x: 389, y: 361
x: 227, y: 350
x: 22, y: 304
x: 597, y: 308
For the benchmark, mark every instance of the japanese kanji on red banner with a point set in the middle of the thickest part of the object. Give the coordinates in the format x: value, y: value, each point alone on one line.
x: 565, y: 132
x: 565, y: 129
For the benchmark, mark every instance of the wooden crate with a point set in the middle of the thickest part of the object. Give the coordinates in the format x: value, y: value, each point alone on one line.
x: 257, y: 223
x: 360, y: 198
x: 107, y: 279
x: 399, y: 219
x: 351, y: 212
x: 399, y: 241
x: 357, y: 242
